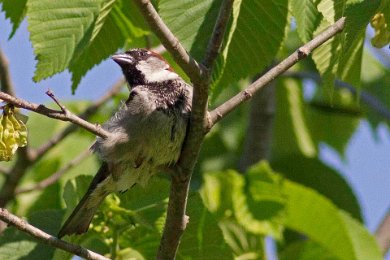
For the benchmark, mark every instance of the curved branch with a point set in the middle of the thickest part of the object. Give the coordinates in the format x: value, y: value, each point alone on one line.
x: 176, y: 218
x: 216, y: 39
x: 221, y: 111
x: 87, y: 113
x: 60, y: 115
x: 46, y: 238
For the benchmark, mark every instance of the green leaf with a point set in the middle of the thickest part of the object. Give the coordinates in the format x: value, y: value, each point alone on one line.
x: 192, y: 22
x: 332, y: 10
x: 341, y: 57
x: 304, y: 210
x: 300, y: 128
x: 16, y: 250
x: 117, y: 24
x: 227, y: 194
x: 291, y: 134
x: 358, y: 16
x: 245, y: 245
x: 339, y: 115
x: 313, y: 215
x: 252, y: 48
x: 58, y: 31
x: 305, y: 250
x: 312, y: 173
x: 203, y: 239
x: 14, y: 10
x: 307, y: 17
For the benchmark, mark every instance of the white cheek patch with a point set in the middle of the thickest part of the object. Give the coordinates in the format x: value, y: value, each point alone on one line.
x: 154, y: 73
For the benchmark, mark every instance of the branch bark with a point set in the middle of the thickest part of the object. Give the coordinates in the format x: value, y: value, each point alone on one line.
x: 224, y: 109
x: 86, y: 114
x: 27, y: 156
x: 258, y: 134
x: 200, y: 77
x: 60, y: 115
x: 46, y: 238
x: 5, y: 78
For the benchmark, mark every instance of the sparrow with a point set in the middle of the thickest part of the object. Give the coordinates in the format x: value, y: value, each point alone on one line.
x: 146, y: 133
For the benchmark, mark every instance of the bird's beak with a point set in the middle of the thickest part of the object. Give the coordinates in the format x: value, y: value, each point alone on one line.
x: 122, y: 59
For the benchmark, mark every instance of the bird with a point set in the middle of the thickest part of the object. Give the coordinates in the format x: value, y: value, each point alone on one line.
x: 146, y: 133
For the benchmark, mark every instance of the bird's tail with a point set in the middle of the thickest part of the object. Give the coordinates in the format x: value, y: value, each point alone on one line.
x: 78, y: 222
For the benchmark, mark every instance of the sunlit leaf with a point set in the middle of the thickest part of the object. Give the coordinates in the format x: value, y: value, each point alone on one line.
x: 14, y: 10
x: 307, y: 17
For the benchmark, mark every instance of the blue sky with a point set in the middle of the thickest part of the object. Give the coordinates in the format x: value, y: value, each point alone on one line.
x: 367, y: 164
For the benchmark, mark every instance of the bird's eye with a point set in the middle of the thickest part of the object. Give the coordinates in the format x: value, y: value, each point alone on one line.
x: 133, y: 93
x: 131, y: 96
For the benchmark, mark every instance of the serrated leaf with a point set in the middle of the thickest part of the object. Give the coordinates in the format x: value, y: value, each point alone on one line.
x: 192, y: 22
x: 341, y: 56
x: 117, y: 24
x: 332, y: 10
x: 14, y: 10
x: 246, y: 58
x: 358, y: 17
x: 58, y: 30
x: 307, y: 17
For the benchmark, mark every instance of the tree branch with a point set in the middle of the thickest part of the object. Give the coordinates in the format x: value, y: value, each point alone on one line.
x: 382, y: 234
x: 193, y: 69
x: 57, y: 175
x: 86, y: 114
x: 221, y: 111
x: 176, y: 219
x: 43, y: 110
x: 216, y: 39
x: 5, y: 79
x: 46, y: 238
x: 26, y: 157
x: 258, y: 135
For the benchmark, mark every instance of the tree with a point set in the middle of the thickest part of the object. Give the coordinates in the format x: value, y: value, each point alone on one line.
x: 273, y: 185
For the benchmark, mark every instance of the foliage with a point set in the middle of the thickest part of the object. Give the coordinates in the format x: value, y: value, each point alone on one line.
x: 230, y: 212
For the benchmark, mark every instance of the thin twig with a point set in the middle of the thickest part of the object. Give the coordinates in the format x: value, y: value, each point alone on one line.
x: 221, y: 111
x: 258, y: 135
x: 193, y: 69
x: 26, y: 158
x: 46, y: 238
x: 215, y: 42
x: 52, y: 96
x: 5, y: 78
x: 86, y: 114
x: 57, y: 175
x: 382, y: 234
x: 43, y: 110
